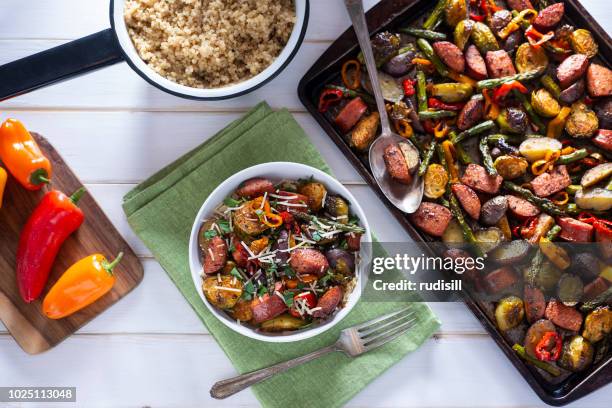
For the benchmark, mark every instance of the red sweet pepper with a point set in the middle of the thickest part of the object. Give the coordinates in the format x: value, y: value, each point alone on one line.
x: 329, y: 97
x: 408, y: 85
x: 434, y: 103
x: 549, y: 347
x: 502, y: 91
x: 52, y: 222
x: 306, y: 297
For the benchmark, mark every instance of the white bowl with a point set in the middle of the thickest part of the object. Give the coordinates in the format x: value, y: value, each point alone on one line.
x: 142, y: 68
x: 277, y: 171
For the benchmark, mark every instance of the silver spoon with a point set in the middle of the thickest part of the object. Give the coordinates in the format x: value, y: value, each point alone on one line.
x: 405, y: 197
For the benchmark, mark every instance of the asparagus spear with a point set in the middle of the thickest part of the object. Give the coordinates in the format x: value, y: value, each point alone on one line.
x: 422, y: 33
x: 549, y: 368
x: 424, y: 45
x: 543, y: 203
x: 551, y: 86
x: 534, y: 268
x: 597, y: 301
x: 494, y: 83
x: 351, y: 93
x: 468, y: 234
x: 435, y: 18
x: 573, y: 189
x: 572, y: 157
x: 535, y: 118
x: 421, y: 91
x: 552, y: 233
x: 508, y: 138
x: 427, y: 158
x: 424, y: 115
x: 487, y: 160
x: 479, y: 128
x: 462, y: 155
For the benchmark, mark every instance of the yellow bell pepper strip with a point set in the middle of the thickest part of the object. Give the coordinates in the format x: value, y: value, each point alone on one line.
x: 3, y: 178
x: 441, y: 129
x: 540, y: 166
x: 450, y: 157
x: 561, y: 198
x: 555, y: 126
x: 464, y: 79
x: 351, y: 74
x: 22, y: 157
x: 258, y: 204
x: 82, y: 284
x: 525, y: 17
x: 555, y: 254
x: 272, y: 220
x: 259, y: 245
x: 404, y: 128
x: 491, y: 109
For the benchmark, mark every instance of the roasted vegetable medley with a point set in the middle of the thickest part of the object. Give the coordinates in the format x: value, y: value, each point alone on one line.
x: 511, y: 111
x: 280, y: 257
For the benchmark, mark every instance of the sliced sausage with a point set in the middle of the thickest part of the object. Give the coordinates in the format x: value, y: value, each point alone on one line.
x: 255, y: 187
x: 500, y: 279
x: 431, y: 218
x: 535, y: 304
x: 350, y: 114
x: 328, y: 302
x: 476, y: 177
x: 603, y: 139
x: 520, y: 5
x: 549, y: 17
x: 468, y: 198
x: 267, y: 307
x: 571, y: 69
x: 573, y: 92
x: 470, y: 114
x: 549, y: 183
x: 450, y: 54
x: 475, y: 64
x: 307, y: 261
x: 575, y: 231
x: 603, y: 109
x: 521, y: 207
x: 396, y: 164
x: 563, y: 316
x: 215, y: 256
x: 292, y: 201
x: 353, y: 241
x: 595, y: 288
x: 603, y: 237
x: 499, y: 64
x: 599, y: 81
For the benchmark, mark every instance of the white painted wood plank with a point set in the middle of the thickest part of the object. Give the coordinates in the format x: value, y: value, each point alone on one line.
x: 128, y: 147
x: 177, y: 371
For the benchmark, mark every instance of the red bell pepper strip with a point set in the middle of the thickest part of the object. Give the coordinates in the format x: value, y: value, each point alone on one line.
x: 536, y: 38
x: 549, y: 347
x: 603, y: 226
x: 434, y: 103
x: 307, y: 297
x: 52, y: 222
x: 502, y: 91
x: 329, y: 97
x: 408, y: 85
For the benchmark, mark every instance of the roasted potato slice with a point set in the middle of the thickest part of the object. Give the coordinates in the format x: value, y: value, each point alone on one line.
x: 222, y: 292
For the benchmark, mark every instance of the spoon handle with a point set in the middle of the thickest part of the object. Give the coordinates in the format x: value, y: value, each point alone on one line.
x: 357, y: 15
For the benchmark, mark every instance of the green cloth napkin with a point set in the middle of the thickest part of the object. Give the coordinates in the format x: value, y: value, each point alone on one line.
x: 161, y: 211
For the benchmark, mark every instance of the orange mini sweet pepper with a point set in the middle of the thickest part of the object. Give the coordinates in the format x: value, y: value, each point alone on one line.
x: 22, y: 156
x: 82, y: 284
x: 3, y: 177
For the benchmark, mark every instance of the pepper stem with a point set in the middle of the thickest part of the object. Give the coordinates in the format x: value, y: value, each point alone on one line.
x: 77, y: 195
x: 39, y: 176
x: 109, y: 266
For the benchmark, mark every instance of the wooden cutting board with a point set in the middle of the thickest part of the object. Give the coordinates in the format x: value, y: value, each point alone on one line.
x: 27, y: 324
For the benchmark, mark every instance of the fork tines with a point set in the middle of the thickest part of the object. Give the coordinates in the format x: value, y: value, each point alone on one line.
x: 386, y: 328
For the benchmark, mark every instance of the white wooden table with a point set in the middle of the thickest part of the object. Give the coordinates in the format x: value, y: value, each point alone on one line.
x: 114, y: 130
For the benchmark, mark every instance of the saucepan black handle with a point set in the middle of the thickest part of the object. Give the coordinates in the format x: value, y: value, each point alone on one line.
x: 56, y: 64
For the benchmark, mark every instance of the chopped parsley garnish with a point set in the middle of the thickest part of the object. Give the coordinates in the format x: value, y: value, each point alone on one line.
x: 316, y: 236
x: 224, y: 226
x: 262, y: 290
x: 288, y: 297
x: 210, y: 234
x: 289, y: 272
x: 329, y: 275
x: 232, y: 202
x: 248, y: 291
x: 236, y: 273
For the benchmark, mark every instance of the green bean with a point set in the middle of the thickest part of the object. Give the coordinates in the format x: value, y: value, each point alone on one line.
x: 495, y: 82
x: 424, y: 115
x: 427, y: 158
x: 468, y: 234
x: 553, y: 233
x: 462, y: 155
x: 572, y: 157
x: 351, y: 93
x: 474, y: 130
x: 543, y: 203
x: 421, y: 91
x: 487, y: 161
x: 435, y: 18
x: 421, y: 33
x: 551, y: 86
x: 427, y: 49
x: 529, y: 109
x: 597, y: 301
x: 508, y: 138
x: 549, y: 368
x: 573, y: 189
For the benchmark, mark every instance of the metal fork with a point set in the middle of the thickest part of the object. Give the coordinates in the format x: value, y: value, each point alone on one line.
x: 353, y: 342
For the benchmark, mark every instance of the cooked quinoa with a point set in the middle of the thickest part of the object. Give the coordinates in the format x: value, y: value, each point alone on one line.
x: 209, y: 43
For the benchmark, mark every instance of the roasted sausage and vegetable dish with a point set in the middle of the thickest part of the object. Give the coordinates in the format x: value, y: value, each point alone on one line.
x: 510, y: 109
x: 280, y: 257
